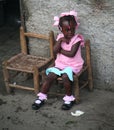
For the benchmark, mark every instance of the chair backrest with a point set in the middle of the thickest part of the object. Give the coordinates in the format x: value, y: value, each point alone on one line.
x: 23, y: 35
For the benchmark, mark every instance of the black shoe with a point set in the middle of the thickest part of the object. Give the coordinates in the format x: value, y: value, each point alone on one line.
x: 67, y: 106
x: 36, y: 106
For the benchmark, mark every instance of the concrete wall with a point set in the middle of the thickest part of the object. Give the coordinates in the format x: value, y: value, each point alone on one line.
x: 96, y: 23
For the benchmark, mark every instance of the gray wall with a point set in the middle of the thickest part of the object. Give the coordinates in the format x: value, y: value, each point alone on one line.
x: 96, y: 23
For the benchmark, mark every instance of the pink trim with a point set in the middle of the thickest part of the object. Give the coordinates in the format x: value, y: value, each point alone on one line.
x: 68, y: 98
x: 42, y: 96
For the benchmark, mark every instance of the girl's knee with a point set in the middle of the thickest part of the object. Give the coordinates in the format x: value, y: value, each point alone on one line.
x: 51, y: 76
x: 65, y: 77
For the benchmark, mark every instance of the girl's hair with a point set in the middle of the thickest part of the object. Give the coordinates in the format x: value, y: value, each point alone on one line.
x: 68, y: 18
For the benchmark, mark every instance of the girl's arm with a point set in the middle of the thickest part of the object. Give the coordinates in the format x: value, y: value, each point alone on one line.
x: 57, y: 47
x: 72, y: 52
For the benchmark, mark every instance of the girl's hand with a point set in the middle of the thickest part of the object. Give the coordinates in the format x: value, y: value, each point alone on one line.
x: 57, y: 47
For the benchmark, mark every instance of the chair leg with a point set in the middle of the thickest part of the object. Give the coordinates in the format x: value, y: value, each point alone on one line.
x: 36, y: 80
x: 76, y: 90
x: 88, y: 60
x: 6, y: 76
x: 90, y: 79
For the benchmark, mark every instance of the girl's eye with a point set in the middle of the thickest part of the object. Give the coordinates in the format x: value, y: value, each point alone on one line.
x: 72, y: 29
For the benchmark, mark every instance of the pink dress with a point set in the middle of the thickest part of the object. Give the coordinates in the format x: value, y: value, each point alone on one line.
x: 76, y: 62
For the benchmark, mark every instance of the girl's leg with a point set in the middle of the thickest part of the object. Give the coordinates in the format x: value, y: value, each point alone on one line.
x: 67, y: 84
x: 48, y: 82
x: 69, y: 98
x: 42, y: 96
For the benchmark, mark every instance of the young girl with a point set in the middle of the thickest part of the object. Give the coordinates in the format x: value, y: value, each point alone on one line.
x: 68, y: 59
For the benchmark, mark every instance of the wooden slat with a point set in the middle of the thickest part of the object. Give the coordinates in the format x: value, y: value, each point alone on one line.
x: 35, y: 35
x: 85, y: 84
x: 21, y: 87
x: 17, y: 69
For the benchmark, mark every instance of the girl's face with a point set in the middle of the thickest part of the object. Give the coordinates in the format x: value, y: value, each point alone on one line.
x: 68, y: 29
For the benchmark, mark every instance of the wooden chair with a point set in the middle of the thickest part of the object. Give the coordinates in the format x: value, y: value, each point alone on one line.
x: 26, y: 63
x: 84, y: 77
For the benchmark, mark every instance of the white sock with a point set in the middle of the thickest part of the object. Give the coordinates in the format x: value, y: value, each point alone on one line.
x: 37, y: 101
x: 67, y: 102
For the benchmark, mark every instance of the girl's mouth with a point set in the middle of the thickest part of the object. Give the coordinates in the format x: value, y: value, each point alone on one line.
x: 70, y: 35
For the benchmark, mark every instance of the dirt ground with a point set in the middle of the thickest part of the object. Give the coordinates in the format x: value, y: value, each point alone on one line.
x: 16, y: 112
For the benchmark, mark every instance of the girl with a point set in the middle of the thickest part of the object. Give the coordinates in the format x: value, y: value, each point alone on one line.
x: 68, y: 59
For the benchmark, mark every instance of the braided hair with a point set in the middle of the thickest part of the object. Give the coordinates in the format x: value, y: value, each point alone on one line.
x: 69, y: 18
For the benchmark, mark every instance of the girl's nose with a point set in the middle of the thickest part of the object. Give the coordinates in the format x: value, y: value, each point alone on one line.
x: 69, y: 31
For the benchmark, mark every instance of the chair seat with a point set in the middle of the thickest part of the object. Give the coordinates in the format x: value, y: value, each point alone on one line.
x: 26, y: 63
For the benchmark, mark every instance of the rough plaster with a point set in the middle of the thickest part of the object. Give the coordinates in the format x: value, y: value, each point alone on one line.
x: 96, y: 23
